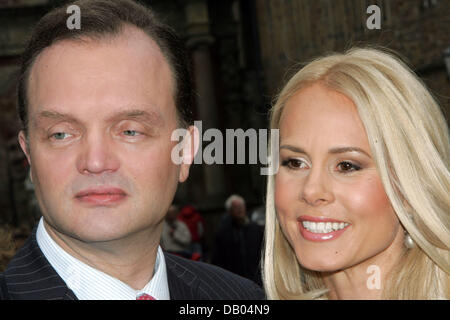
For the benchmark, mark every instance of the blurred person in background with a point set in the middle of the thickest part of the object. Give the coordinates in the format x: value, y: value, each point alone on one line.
x: 175, y: 237
x: 196, y: 224
x: 238, y: 241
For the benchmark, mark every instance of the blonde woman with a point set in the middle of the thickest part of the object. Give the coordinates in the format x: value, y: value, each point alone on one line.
x: 359, y: 208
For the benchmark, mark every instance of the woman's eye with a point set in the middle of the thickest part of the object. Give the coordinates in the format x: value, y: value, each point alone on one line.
x: 294, y: 164
x: 346, y: 166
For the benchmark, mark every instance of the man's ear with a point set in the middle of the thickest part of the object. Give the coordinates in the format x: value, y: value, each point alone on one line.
x: 190, y: 148
x: 24, y: 145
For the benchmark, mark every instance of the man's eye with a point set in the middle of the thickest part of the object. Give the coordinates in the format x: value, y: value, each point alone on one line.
x: 346, y: 166
x: 131, y: 133
x: 59, y: 135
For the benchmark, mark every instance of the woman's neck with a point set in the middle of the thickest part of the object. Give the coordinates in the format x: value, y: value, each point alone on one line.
x: 366, y: 280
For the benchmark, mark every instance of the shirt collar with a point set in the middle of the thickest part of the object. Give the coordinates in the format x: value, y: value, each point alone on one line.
x: 88, y: 283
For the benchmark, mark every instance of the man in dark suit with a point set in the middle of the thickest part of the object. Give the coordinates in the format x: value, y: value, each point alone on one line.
x: 238, y: 241
x: 99, y: 105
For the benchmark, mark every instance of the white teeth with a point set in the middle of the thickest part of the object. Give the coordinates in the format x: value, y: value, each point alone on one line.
x: 323, y: 227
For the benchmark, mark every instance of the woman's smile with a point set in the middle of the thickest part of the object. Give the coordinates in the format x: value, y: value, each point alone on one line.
x: 321, y: 228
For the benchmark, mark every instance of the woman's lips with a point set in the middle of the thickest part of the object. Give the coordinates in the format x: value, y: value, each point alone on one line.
x: 321, y: 228
x: 101, y: 196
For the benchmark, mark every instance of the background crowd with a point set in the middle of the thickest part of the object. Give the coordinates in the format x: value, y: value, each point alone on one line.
x: 237, y: 241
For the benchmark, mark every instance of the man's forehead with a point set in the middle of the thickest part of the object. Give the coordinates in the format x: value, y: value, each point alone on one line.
x: 130, y: 44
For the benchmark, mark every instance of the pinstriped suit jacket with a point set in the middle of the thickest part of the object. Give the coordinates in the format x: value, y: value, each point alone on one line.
x: 29, y: 276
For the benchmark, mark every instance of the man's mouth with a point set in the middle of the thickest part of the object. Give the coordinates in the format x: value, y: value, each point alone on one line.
x: 101, y: 195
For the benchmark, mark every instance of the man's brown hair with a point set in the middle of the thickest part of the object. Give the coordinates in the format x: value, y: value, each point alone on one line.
x: 100, y: 19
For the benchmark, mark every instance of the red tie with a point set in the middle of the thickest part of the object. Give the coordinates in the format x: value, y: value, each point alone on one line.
x: 145, y: 297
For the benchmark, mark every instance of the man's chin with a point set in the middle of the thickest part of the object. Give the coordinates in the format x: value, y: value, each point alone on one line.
x: 91, y: 227
x: 97, y: 235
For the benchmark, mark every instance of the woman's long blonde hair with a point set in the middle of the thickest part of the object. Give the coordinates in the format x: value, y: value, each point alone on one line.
x: 409, y: 139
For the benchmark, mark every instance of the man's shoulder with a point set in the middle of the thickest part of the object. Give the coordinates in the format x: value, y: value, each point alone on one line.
x: 29, y: 276
x: 212, y: 282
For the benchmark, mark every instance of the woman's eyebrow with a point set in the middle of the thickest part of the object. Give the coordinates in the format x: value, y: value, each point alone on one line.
x: 332, y: 151
x: 348, y: 149
x: 292, y: 148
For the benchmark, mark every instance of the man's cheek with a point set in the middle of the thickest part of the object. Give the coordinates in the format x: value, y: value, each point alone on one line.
x: 50, y: 172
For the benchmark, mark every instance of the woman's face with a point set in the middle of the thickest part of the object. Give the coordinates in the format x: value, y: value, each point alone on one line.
x: 329, y: 198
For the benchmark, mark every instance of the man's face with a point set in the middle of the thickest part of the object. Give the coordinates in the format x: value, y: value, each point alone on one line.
x: 237, y: 210
x: 101, y: 116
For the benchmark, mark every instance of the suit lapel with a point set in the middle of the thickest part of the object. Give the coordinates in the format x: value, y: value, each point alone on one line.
x: 182, y: 282
x: 30, y: 276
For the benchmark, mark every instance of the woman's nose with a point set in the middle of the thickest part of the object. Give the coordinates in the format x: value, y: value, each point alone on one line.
x: 316, y: 188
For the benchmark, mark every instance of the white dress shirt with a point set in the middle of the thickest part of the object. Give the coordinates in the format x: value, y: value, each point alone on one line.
x: 88, y: 283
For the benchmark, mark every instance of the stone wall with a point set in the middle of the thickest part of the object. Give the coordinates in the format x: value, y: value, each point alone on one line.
x: 295, y: 31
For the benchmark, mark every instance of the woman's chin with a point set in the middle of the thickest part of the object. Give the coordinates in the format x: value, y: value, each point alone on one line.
x: 320, y: 264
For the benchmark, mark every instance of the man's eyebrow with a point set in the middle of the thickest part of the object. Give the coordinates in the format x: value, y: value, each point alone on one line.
x: 153, y: 118
x: 332, y: 151
x: 50, y: 114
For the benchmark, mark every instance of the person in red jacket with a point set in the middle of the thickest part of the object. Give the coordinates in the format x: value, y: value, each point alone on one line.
x: 196, y: 224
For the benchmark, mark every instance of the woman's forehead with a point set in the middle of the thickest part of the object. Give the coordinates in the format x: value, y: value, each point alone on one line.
x: 320, y: 110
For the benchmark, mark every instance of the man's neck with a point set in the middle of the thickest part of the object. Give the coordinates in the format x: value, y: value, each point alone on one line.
x: 130, y: 260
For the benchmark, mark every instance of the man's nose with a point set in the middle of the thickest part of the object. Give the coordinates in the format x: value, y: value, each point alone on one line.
x: 316, y: 189
x: 97, y: 155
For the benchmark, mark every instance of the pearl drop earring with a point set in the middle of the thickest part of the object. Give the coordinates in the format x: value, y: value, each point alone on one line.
x: 408, y: 241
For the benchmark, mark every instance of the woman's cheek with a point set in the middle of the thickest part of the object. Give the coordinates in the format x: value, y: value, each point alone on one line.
x: 283, y: 193
x: 285, y: 201
x: 379, y: 198
x: 366, y: 198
